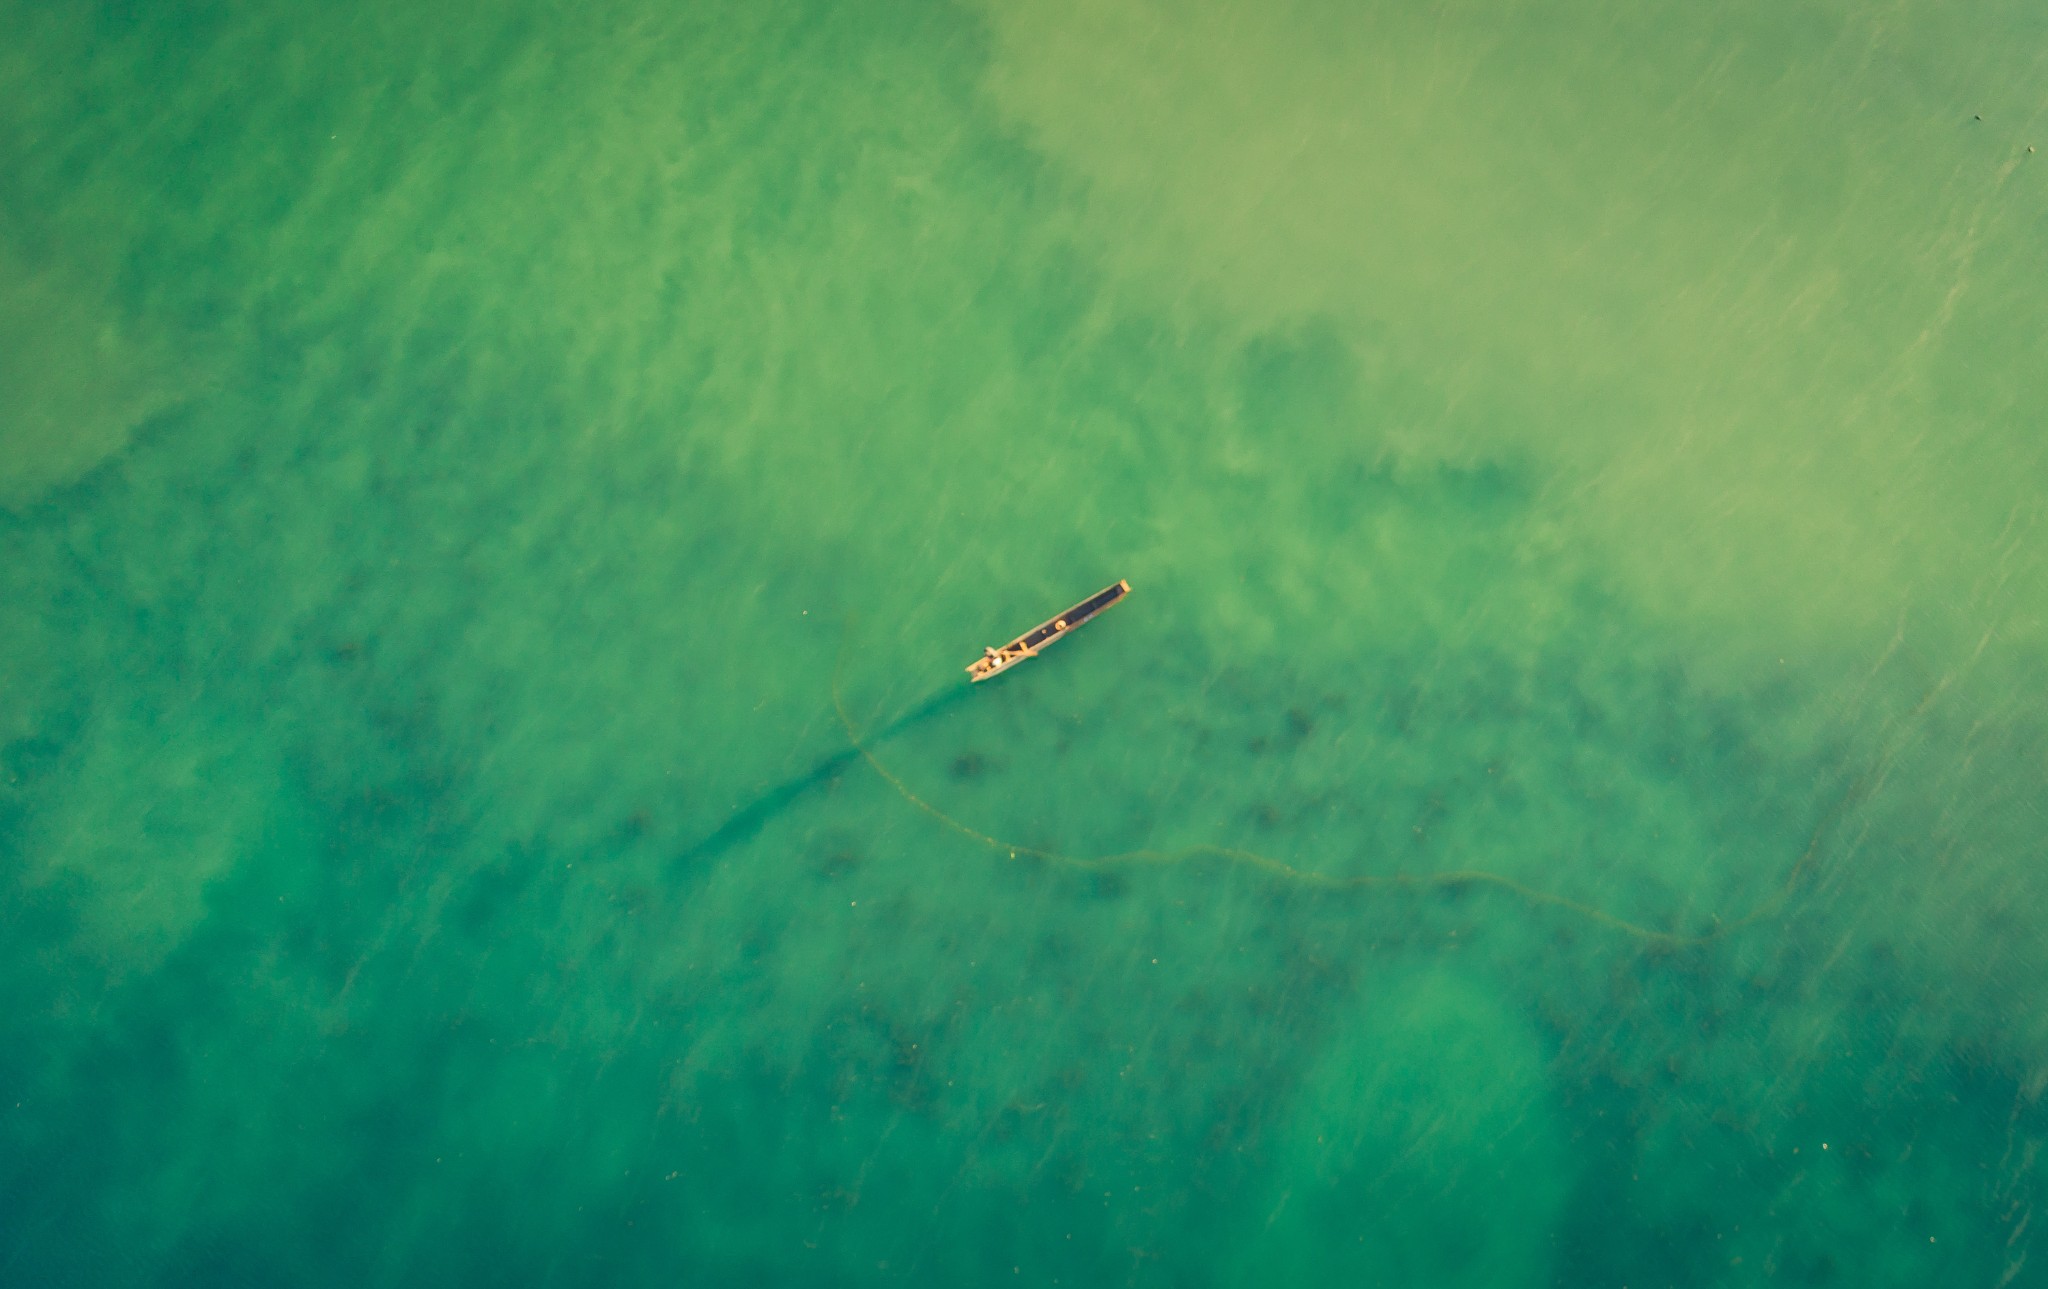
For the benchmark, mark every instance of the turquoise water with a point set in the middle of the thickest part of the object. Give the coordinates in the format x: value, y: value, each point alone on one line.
x: 495, y: 499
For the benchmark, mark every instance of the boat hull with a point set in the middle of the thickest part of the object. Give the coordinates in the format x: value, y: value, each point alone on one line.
x: 994, y: 662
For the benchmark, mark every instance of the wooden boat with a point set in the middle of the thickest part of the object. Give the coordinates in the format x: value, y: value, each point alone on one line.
x: 995, y: 661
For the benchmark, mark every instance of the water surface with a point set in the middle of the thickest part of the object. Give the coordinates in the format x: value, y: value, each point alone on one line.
x: 1560, y: 806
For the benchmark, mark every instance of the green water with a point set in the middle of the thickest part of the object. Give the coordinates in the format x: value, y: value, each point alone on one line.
x: 458, y: 461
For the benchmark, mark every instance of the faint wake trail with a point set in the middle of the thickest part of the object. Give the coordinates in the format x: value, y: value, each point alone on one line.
x: 749, y: 819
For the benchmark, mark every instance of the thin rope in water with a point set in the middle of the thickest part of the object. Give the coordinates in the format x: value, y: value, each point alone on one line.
x: 1769, y: 908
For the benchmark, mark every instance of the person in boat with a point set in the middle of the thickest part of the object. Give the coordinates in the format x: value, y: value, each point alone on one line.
x: 992, y: 658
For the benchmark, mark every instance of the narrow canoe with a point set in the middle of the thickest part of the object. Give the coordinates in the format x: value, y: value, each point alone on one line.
x: 994, y: 661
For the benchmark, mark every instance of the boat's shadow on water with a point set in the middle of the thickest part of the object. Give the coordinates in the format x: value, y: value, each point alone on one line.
x: 744, y: 823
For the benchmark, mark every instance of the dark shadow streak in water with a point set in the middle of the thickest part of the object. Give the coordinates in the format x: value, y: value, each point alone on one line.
x: 756, y: 814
